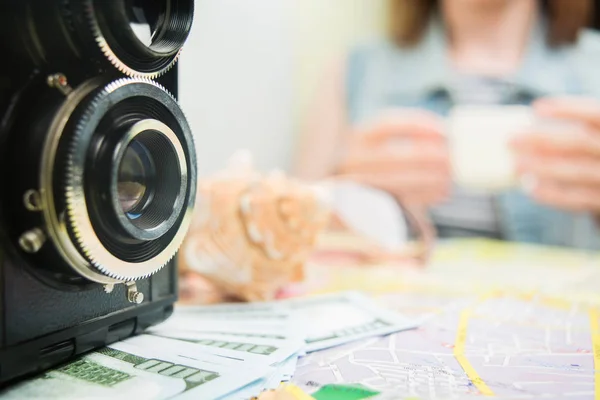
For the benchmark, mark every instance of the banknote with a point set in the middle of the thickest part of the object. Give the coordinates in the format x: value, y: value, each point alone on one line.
x: 260, y: 355
x: 324, y: 321
x: 251, y: 325
x: 288, y: 367
x: 261, y: 350
x: 125, y: 371
x: 187, y: 350
x: 282, y: 374
x: 240, y: 330
x: 275, y: 315
x: 192, y: 321
x: 333, y: 319
x: 233, y: 308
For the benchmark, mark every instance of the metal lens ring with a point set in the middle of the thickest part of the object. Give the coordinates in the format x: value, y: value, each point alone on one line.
x: 148, y: 180
x: 167, y: 24
x: 127, y: 112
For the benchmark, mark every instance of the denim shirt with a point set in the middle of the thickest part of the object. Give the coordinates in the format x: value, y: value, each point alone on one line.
x: 381, y: 75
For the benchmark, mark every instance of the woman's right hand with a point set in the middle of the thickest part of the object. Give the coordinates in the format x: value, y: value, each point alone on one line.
x: 404, y: 153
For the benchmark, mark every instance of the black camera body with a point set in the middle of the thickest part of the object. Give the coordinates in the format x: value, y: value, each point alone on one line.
x: 97, y: 174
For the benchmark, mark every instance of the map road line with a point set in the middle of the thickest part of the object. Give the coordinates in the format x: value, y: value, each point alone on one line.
x: 595, y: 328
x: 459, y: 354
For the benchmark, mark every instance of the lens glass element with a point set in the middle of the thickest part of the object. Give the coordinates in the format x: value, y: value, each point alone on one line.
x: 136, y: 174
x: 148, y: 180
x: 145, y: 18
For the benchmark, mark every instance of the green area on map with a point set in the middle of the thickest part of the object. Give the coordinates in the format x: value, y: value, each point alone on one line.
x: 343, y: 392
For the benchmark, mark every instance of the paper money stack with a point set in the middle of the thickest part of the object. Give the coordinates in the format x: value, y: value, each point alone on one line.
x: 229, y: 351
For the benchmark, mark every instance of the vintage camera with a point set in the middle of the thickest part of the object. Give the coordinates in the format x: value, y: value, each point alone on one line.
x: 97, y: 174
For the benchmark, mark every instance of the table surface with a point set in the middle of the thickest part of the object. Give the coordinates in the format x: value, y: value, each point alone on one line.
x: 499, y: 319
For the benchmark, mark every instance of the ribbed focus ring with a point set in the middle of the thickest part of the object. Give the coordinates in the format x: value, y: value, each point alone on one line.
x: 109, y: 25
x: 97, y: 236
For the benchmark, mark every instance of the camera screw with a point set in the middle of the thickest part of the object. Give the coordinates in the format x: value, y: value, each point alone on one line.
x: 32, y: 240
x: 59, y: 81
x: 32, y: 200
x: 133, y: 295
x: 136, y: 297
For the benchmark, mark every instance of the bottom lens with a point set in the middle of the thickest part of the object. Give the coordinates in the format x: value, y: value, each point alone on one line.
x: 135, y: 180
x: 129, y: 179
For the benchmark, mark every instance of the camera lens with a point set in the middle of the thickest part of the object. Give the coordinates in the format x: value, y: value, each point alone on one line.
x: 144, y: 36
x: 138, y: 37
x: 134, y: 185
x: 117, y: 177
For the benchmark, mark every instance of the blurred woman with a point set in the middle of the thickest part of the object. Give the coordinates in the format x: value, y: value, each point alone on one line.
x: 379, y: 114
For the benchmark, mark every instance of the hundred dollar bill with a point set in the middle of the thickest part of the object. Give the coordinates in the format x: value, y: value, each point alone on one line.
x: 279, y: 315
x: 126, y: 371
x: 250, y: 326
x: 234, y: 360
x: 254, y: 349
x: 333, y: 319
x: 264, y: 308
x: 191, y: 321
x: 282, y: 374
x: 288, y: 367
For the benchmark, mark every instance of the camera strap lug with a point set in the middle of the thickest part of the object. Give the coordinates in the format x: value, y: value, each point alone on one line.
x: 59, y: 81
x: 32, y: 200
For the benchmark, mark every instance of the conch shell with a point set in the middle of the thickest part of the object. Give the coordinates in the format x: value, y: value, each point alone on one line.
x: 253, y: 232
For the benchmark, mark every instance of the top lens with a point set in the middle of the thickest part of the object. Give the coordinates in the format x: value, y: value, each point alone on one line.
x: 141, y: 38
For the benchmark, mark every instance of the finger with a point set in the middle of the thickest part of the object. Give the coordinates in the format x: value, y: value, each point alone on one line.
x: 425, y: 198
x: 405, y: 124
x: 582, y: 109
x: 411, y: 183
x: 567, y: 143
x: 386, y: 160
x: 574, y: 170
x: 576, y: 198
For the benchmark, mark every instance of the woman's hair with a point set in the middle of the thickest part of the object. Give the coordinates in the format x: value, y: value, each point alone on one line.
x: 409, y: 19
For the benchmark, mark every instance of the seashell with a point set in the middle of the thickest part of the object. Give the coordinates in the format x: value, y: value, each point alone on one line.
x: 254, y: 232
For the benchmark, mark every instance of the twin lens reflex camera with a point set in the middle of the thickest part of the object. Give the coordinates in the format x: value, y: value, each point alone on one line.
x: 97, y: 174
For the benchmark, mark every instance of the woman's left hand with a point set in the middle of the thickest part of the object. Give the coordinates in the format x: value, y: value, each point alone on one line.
x: 562, y: 163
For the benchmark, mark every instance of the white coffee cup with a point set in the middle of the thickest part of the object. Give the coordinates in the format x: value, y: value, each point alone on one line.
x: 479, y: 144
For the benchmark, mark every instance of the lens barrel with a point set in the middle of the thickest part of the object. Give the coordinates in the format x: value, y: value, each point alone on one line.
x: 63, y: 33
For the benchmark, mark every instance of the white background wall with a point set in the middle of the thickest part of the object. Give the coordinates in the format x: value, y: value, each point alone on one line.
x: 250, y: 67
x: 236, y: 81
x: 325, y: 30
